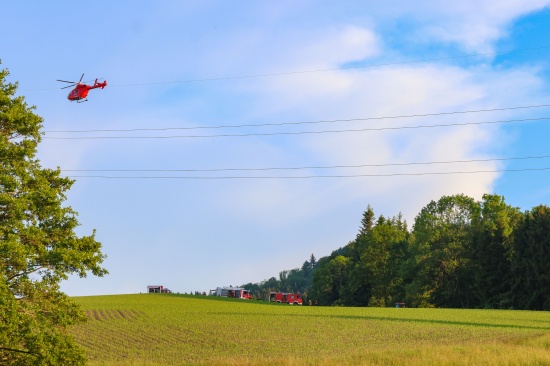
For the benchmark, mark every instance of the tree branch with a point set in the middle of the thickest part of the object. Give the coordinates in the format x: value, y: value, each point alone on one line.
x: 19, y: 351
x: 32, y: 269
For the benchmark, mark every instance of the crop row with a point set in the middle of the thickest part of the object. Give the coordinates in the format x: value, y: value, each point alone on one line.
x: 109, y: 314
x: 174, y: 329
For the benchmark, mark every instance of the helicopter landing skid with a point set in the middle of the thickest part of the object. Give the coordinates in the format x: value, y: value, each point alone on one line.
x: 82, y: 101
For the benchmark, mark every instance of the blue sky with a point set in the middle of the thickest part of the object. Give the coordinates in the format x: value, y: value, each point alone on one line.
x: 178, y: 65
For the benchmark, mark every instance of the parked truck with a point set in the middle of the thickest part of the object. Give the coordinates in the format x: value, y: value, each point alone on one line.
x: 234, y: 292
x: 285, y: 298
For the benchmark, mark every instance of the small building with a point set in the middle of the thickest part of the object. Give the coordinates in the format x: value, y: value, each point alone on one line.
x: 158, y: 289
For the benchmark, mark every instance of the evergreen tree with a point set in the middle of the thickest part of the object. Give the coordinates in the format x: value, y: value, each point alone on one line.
x: 312, y: 261
x: 530, y: 261
x: 493, y: 244
x: 367, y: 222
x: 38, y: 245
x: 381, y: 254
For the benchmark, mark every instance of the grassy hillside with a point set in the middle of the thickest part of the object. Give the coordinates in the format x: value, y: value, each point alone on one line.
x: 158, y: 329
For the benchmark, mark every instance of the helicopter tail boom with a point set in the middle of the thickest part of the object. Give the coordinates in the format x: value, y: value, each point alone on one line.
x: 99, y: 85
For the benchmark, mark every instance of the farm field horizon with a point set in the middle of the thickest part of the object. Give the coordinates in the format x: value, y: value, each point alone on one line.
x: 170, y: 329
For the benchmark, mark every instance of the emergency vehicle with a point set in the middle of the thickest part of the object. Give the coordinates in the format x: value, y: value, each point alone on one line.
x: 285, y: 298
x: 234, y: 292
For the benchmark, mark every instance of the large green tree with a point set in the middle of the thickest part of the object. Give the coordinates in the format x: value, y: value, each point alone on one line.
x: 375, y: 279
x: 442, y: 253
x: 492, y: 252
x: 38, y: 245
x: 330, y: 280
x: 531, y: 260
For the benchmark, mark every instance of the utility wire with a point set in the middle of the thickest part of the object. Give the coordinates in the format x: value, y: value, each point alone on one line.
x: 320, y: 70
x: 310, y: 167
x: 303, y: 122
x: 312, y: 176
x: 325, y: 70
x: 295, y: 133
x: 338, y: 68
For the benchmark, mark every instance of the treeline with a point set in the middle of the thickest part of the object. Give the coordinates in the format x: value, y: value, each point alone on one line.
x: 460, y: 253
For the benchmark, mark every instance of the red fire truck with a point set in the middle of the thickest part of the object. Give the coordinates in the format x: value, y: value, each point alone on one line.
x: 285, y: 298
x: 235, y: 292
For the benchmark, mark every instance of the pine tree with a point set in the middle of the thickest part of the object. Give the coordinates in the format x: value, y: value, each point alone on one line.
x: 367, y: 222
x: 493, y: 245
x: 531, y: 279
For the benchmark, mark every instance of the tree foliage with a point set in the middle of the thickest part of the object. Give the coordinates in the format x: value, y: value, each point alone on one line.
x: 530, y: 261
x: 38, y: 245
x: 492, y: 252
x: 297, y: 280
x: 371, y: 275
x: 441, y: 253
x: 331, y: 280
x: 460, y: 253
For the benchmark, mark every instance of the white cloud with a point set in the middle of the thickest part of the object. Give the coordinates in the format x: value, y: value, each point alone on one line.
x: 473, y: 24
x: 338, y: 45
x: 394, y: 91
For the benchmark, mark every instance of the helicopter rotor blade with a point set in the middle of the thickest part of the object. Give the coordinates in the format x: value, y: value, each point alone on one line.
x: 69, y: 86
x: 65, y: 81
x: 81, y: 78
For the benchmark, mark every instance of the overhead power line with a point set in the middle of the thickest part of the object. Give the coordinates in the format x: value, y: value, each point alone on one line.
x: 303, y: 122
x: 310, y: 176
x: 296, y: 133
x: 310, y: 167
x: 289, y: 73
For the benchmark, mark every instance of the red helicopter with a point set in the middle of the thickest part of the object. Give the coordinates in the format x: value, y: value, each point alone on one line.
x: 80, y: 92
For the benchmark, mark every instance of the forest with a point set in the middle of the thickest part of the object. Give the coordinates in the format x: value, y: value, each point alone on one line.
x: 460, y: 253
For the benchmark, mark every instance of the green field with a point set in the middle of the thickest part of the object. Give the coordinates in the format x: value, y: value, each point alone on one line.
x: 158, y: 329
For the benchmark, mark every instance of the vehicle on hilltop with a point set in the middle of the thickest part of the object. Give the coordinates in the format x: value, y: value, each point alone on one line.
x: 232, y: 292
x: 285, y: 298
